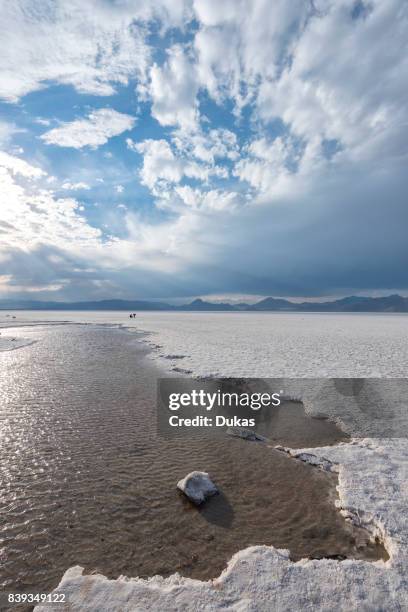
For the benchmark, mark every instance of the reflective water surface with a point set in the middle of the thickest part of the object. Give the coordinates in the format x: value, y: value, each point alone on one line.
x: 86, y: 480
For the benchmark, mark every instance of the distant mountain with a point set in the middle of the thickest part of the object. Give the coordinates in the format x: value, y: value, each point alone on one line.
x: 270, y: 303
x: 391, y: 303
x: 199, y: 304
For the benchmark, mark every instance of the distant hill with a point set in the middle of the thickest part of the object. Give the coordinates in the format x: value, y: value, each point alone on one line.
x: 270, y: 303
x: 199, y: 304
x: 391, y: 303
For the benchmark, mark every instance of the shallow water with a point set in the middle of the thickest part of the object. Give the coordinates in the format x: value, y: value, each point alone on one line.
x: 86, y: 480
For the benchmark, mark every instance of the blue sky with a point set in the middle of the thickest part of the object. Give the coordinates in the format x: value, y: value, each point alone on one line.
x: 176, y: 149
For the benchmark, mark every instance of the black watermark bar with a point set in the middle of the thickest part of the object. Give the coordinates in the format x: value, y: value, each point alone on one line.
x: 362, y: 407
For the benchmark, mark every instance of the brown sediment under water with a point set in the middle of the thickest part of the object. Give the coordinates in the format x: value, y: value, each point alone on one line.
x: 87, y: 480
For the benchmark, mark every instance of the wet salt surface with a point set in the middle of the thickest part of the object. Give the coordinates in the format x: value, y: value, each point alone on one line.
x: 87, y: 481
x: 9, y: 342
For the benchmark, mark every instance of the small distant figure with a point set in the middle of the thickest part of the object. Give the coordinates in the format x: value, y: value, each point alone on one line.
x: 132, y: 315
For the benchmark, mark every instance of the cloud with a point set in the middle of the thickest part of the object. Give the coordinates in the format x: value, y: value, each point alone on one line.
x: 163, y: 167
x: 210, y: 200
x: 94, y: 131
x: 48, y: 242
x: 274, y: 167
x: 276, y: 158
x: 32, y: 215
x: 42, y: 121
x: 93, y: 46
x: 17, y: 166
x: 8, y: 285
x: 173, y: 89
x: 159, y: 162
x: 75, y: 186
x: 242, y: 42
x: 330, y: 240
x: 324, y: 92
x: 7, y: 131
x: 216, y: 144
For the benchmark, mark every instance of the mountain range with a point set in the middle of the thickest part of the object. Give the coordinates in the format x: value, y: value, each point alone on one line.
x: 391, y: 303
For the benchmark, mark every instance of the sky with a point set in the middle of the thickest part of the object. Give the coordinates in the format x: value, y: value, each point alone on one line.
x: 180, y: 148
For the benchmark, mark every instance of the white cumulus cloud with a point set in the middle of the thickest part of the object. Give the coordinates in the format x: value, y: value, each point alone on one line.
x: 173, y: 89
x: 93, y: 131
x: 162, y: 166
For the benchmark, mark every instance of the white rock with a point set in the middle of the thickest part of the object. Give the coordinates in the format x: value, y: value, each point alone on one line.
x: 197, y: 486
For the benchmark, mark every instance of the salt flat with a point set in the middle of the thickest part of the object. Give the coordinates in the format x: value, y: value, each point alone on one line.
x: 260, y: 344
x: 9, y: 343
x: 11, y: 339
x: 373, y: 471
x: 277, y: 344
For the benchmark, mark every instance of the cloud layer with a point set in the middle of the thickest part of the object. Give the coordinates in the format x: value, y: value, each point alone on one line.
x: 269, y: 153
